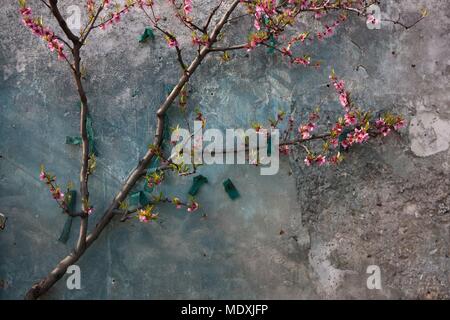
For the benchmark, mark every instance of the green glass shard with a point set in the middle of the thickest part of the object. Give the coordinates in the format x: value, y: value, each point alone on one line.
x: 134, y: 198
x: 73, y: 140
x: 272, y: 44
x: 76, y: 140
x: 71, y: 197
x: 138, y: 198
x: 148, y: 34
x: 231, y: 189
x: 66, y: 230
x: 143, y: 200
x: 198, y: 181
x: 154, y: 164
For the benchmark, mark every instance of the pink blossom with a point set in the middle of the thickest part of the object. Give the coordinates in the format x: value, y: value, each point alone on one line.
x: 350, y: 119
x: 305, y: 130
x: 346, y: 144
x: 90, y: 210
x: 284, y: 150
x: 400, y: 124
x: 42, y: 176
x: 309, y: 160
x: 187, y: 6
x: 385, y: 131
x: 335, y: 159
x: 146, y: 215
x: 343, y: 99
x: 337, y: 129
x: 286, y: 51
x: 172, y: 42
x: 303, y: 61
x: 57, y: 194
x: 259, y: 11
x: 193, y: 207
x: 340, y: 85
x: 334, y: 142
x: 311, y: 126
x: 257, y: 25
x: 116, y: 17
x: 25, y: 11
x: 328, y: 31
x: 321, y: 160
x: 380, y: 123
x: 361, y: 135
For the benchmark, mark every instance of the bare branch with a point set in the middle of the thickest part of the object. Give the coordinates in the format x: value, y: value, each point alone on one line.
x: 62, y: 23
x: 205, y: 27
x: 236, y: 47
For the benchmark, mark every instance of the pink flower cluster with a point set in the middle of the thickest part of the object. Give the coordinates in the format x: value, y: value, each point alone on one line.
x: 35, y: 25
x: 358, y: 136
x: 330, y: 29
x: 200, y: 41
x: 255, y: 39
x: 305, y: 130
x: 146, y: 215
x: 344, y: 97
x: 56, y: 192
x: 154, y: 179
x: 171, y: 41
x: 193, y: 206
x: 384, y: 126
x: 319, y: 160
x: 264, y: 8
x: 306, y: 60
x: 116, y: 17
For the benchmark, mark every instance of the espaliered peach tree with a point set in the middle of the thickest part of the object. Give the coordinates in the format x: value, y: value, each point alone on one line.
x: 274, y: 24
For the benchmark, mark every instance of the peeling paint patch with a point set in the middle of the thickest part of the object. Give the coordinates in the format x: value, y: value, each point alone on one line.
x: 429, y: 134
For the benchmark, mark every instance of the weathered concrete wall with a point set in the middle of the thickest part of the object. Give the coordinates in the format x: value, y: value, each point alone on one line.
x: 387, y: 205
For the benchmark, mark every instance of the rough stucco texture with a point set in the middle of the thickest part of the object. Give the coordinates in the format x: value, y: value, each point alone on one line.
x: 387, y: 205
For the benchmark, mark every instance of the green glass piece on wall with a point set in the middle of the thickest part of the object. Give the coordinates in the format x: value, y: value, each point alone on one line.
x: 198, y: 181
x: 148, y: 34
x: 71, y: 197
x: 230, y: 189
x: 73, y: 140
